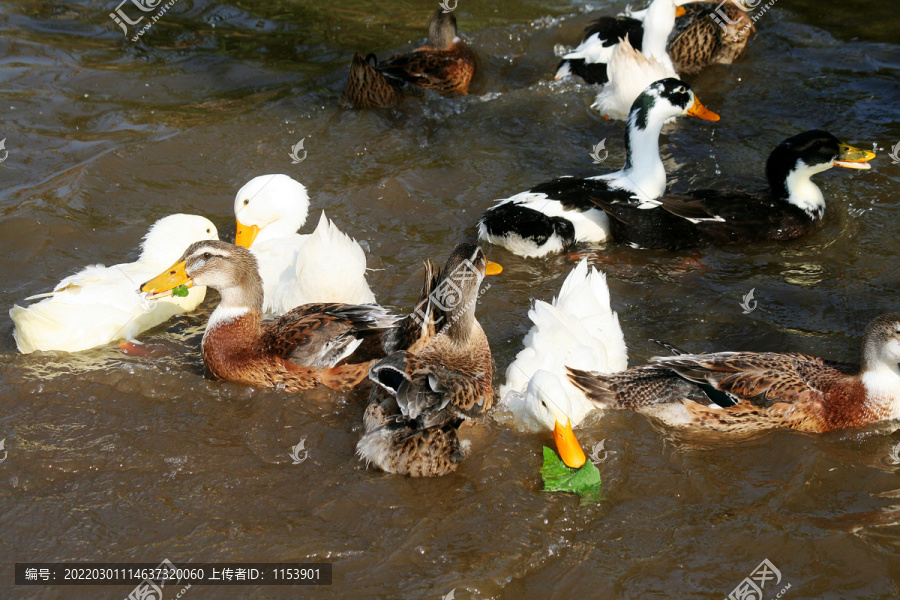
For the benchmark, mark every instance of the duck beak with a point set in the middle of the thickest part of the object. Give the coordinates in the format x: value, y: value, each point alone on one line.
x: 163, y: 284
x: 245, y: 235
x: 853, y: 158
x: 680, y: 11
x: 492, y: 268
x: 701, y: 112
x: 567, y: 445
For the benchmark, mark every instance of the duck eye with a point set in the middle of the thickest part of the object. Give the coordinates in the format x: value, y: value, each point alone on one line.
x: 207, y: 256
x: 246, y: 202
x: 208, y: 230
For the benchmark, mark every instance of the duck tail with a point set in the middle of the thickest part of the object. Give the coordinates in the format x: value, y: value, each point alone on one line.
x: 344, y: 378
x: 367, y: 87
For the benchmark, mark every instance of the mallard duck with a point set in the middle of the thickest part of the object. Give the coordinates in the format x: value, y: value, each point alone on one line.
x: 445, y: 64
x: 557, y: 214
x: 589, y: 60
x: 325, y: 266
x: 705, y: 33
x: 438, y: 375
x: 747, y: 391
x: 579, y: 329
x: 99, y: 305
x: 790, y: 208
x: 310, y: 345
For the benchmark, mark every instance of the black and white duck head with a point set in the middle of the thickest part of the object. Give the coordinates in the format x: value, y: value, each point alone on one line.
x: 798, y: 158
x: 644, y: 173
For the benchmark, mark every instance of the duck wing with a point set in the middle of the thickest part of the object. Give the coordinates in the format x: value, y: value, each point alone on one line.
x: 443, y: 71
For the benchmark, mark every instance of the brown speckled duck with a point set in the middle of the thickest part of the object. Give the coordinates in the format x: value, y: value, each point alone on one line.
x: 329, y: 344
x: 747, y: 391
x: 437, y: 375
x: 445, y: 64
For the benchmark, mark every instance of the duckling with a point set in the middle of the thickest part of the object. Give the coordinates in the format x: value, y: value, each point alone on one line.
x: 437, y: 375
x: 325, y: 266
x: 555, y: 215
x: 749, y: 391
x: 590, y: 59
x: 99, y: 305
x: 310, y: 345
x: 578, y: 329
x: 790, y: 208
x: 445, y: 64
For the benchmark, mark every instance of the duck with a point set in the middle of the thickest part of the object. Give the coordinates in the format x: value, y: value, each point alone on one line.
x: 590, y: 59
x: 704, y: 33
x: 437, y: 374
x: 742, y: 392
x: 555, y: 215
x: 445, y: 64
x: 99, y: 305
x: 577, y: 329
x: 329, y: 344
x: 325, y: 266
x: 791, y: 207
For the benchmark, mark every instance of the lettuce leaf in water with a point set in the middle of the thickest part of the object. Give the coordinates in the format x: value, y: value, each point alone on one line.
x: 559, y: 478
x: 181, y: 291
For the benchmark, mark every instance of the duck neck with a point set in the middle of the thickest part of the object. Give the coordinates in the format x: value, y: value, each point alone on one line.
x: 796, y: 187
x: 656, y: 34
x: 643, y: 165
x: 242, y: 301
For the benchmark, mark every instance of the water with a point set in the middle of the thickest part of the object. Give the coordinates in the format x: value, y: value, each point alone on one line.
x: 124, y: 458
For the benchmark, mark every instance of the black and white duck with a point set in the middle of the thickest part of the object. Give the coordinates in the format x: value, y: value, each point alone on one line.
x: 790, y: 208
x: 555, y: 215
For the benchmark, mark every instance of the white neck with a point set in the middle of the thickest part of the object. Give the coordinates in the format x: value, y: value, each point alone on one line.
x: 657, y: 27
x: 882, y: 386
x: 644, y: 173
x: 802, y: 192
x: 223, y: 315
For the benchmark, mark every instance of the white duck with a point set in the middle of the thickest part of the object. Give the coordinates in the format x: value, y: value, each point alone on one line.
x: 578, y: 327
x: 630, y: 71
x: 100, y: 304
x: 325, y: 266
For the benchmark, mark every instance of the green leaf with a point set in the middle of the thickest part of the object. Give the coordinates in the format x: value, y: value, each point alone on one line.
x: 181, y: 291
x: 559, y: 478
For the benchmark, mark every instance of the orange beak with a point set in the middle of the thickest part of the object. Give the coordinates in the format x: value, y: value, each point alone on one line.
x: 492, y: 268
x: 567, y: 445
x: 163, y: 284
x: 245, y: 235
x: 680, y: 11
x: 701, y: 112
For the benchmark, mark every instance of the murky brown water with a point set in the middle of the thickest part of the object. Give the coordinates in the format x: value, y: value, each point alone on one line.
x: 118, y: 458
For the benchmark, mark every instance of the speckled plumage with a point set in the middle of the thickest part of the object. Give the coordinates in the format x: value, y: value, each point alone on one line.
x: 745, y: 391
x: 699, y: 41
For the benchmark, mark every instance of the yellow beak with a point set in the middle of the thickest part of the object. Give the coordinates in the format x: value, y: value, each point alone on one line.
x: 701, y: 112
x: 567, y: 445
x: 680, y: 11
x: 853, y: 158
x: 492, y: 268
x: 245, y: 235
x: 163, y: 284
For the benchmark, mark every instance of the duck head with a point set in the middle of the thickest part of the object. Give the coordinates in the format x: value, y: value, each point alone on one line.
x: 173, y: 233
x: 547, y: 403
x: 798, y: 158
x: 231, y: 270
x: 442, y: 30
x: 269, y: 207
x: 455, y: 292
x: 881, y: 348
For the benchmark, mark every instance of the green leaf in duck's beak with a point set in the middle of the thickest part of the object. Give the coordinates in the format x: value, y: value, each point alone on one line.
x: 181, y: 291
x: 584, y: 481
x: 853, y: 158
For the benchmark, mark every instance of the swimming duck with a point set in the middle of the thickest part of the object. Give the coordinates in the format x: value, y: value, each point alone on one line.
x: 747, y: 391
x: 589, y: 60
x: 325, y: 266
x: 555, y: 215
x: 99, y: 305
x: 791, y: 206
x: 705, y: 33
x: 578, y: 329
x: 310, y: 345
x: 445, y: 64
x: 438, y: 375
